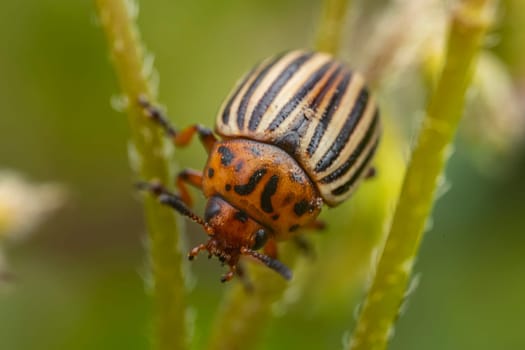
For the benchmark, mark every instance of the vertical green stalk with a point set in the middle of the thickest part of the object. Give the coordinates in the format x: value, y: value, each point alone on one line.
x: 331, y: 26
x: 168, y: 284
x: 468, y: 25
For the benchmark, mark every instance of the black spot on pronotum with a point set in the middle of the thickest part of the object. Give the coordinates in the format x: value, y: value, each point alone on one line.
x: 211, y: 172
x: 241, y: 216
x: 228, y: 187
x: 300, y: 208
x: 269, y: 190
x: 248, y: 188
x: 293, y: 228
x: 226, y: 155
x: 275, y: 217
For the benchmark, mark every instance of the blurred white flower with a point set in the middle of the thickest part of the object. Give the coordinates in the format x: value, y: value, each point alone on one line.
x: 24, y: 205
x: 404, y: 61
x: 400, y: 32
x: 495, y: 119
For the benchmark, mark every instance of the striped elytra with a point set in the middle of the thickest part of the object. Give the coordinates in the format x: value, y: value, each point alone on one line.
x: 298, y: 131
x: 314, y: 108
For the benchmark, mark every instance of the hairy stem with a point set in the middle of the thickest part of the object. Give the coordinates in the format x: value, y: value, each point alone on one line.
x: 127, y: 54
x: 244, y: 314
x: 331, y: 26
x: 469, y: 22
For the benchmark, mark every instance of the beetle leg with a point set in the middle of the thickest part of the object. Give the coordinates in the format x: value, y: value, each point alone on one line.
x: 229, y: 275
x: 371, y: 173
x: 303, y: 243
x: 188, y: 176
x: 172, y: 200
x: 317, y: 225
x: 184, y: 137
x: 179, y: 138
x: 241, y: 272
x: 304, y: 246
x: 196, y: 250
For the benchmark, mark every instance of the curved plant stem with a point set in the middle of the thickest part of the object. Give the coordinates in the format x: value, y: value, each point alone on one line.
x: 331, y: 26
x: 468, y: 25
x: 168, y: 284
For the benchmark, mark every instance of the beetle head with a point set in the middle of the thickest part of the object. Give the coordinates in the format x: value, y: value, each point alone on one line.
x: 233, y: 234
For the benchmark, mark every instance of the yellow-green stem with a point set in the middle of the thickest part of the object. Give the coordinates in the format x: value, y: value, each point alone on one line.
x: 331, y: 26
x: 168, y: 285
x: 244, y: 314
x: 469, y: 22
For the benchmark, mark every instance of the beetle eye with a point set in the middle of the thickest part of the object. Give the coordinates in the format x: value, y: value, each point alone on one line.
x: 260, y: 239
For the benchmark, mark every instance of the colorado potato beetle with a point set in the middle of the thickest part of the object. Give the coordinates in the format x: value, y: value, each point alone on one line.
x: 299, y: 130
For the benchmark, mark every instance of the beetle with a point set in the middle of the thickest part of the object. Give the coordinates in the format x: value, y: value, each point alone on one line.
x: 298, y: 131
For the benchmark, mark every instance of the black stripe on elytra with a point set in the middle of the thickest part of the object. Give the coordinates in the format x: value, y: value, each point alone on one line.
x: 248, y: 188
x: 269, y: 190
x: 226, y: 155
x: 300, y: 125
x: 347, y: 185
x: 241, y: 112
x: 332, y: 107
x: 298, y: 97
x: 342, y: 138
x: 227, y: 108
x: 324, y: 90
x: 275, y: 88
x: 346, y: 166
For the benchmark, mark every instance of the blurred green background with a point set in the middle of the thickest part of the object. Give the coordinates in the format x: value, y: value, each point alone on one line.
x: 79, y: 280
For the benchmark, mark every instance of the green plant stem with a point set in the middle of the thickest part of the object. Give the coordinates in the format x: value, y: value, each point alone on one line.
x: 331, y: 26
x: 244, y: 315
x: 168, y: 284
x: 468, y: 25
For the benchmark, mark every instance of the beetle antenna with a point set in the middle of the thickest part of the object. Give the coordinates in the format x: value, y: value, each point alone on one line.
x: 272, y: 263
x: 172, y: 200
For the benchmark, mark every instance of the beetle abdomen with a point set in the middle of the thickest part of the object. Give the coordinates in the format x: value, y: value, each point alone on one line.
x: 313, y: 107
